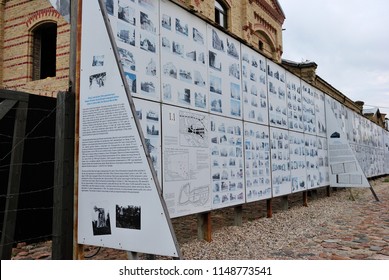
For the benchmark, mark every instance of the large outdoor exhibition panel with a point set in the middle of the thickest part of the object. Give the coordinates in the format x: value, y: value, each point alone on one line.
x: 254, y: 87
x: 227, y: 168
x: 298, y: 163
x: 186, y: 161
x: 119, y: 199
x: 294, y: 100
x: 277, y: 95
x: 386, y: 148
x: 135, y: 26
x: 224, y: 74
x: 257, y: 162
x: 280, y: 161
x: 222, y: 124
x: 183, y: 58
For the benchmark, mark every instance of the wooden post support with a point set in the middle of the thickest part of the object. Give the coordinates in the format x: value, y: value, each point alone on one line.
x: 374, y: 194
x: 284, y: 202
x: 238, y: 217
x: 328, y: 190
x: 132, y: 255
x: 15, y: 174
x: 305, y: 199
x: 351, y: 194
x: 269, y: 208
x: 204, y: 228
x: 62, y: 246
x: 314, y: 194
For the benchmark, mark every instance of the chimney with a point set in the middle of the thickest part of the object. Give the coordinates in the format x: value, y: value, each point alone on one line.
x: 360, y: 106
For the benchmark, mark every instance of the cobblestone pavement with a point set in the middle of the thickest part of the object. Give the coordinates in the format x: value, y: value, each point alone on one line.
x: 334, y: 227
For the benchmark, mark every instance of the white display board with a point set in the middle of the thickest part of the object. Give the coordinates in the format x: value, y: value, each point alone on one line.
x: 297, y: 161
x: 257, y: 162
x: 386, y: 151
x: 320, y: 114
x: 227, y: 167
x: 345, y: 170
x: 183, y: 58
x: 324, y: 172
x: 312, y: 161
x: 186, y: 161
x: 119, y: 202
x: 254, y: 87
x: 224, y: 75
x: 277, y: 95
x: 280, y: 161
x: 309, y: 111
x: 136, y: 26
x: 149, y: 116
x: 294, y: 100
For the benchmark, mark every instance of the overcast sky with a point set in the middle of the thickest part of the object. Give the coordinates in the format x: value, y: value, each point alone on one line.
x: 348, y: 40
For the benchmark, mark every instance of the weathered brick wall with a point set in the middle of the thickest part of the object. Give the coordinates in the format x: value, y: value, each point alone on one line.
x: 20, y: 17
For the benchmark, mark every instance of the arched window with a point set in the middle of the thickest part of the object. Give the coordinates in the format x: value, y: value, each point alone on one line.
x: 44, y: 51
x: 220, y: 14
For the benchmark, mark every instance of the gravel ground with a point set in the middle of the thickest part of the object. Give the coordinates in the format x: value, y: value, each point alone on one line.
x: 334, y: 227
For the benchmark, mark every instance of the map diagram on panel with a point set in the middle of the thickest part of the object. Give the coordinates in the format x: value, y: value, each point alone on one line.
x: 176, y: 166
x: 198, y: 196
x: 193, y: 130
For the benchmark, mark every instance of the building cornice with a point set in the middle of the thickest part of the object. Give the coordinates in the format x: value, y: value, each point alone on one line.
x: 275, y: 12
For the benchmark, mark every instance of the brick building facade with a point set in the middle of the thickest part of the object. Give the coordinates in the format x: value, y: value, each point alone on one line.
x: 23, y: 25
x: 258, y: 23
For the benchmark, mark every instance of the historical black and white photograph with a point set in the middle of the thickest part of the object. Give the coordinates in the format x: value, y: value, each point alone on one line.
x: 198, y: 79
x: 184, y: 97
x: 147, y: 87
x: 185, y: 76
x: 234, y: 70
x: 216, y: 104
x: 131, y: 81
x: 109, y: 6
x: 198, y: 37
x: 128, y: 216
x: 178, y: 48
x: 147, y: 42
x: 217, y: 43
x: 166, y: 45
x: 126, y: 13
x: 126, y: 33
x: 232, y: 49
x: 167, y: 92
x: 148, y: 4
x: 101, y: 221
x: 98, y: 60
x: 170, y: 70
x: 181, y: 27
x: 235, y: 91
x: 166, y: 22
x: 215, y: 61
x: 127, y: 60
x: 215, y: 84
x: 200, y: 100
x: 235, y: 108
x: 97, y: 80
x: 147, y: 24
